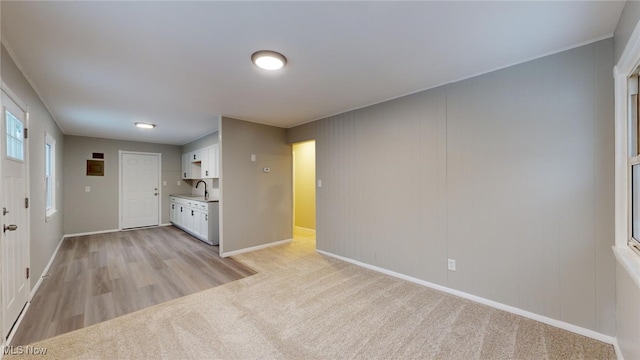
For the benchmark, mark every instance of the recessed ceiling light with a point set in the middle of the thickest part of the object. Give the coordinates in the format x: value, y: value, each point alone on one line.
x: 145, y: 125
x: 268, y: 60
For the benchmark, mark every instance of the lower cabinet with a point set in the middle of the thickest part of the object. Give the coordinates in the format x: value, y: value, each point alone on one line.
x: 198, y: 218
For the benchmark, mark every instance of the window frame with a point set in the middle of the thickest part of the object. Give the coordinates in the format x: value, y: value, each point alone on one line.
x: 49, y: 179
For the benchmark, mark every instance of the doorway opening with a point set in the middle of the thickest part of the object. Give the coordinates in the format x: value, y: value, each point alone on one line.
x: 304, y: 190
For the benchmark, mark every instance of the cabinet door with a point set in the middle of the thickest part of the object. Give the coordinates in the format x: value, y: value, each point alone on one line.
x: 199, y: 224
x: 172, y: 212
x: 189, y: 218
x: 204, y: 224
x: 186, y: 166
x: 213, y: 162
x: 204, y: 164
x: 181, y: 214
x: 196, y: 156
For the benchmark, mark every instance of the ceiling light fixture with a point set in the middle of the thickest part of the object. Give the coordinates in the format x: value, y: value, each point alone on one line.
x: 145, y: 125
x: 268, y: 60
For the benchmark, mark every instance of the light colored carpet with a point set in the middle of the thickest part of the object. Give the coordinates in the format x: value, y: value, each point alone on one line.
x: 302, y: 305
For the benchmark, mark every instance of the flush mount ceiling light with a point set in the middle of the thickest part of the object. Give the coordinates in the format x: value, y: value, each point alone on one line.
x: 145, y: 125
x: 268, y: 60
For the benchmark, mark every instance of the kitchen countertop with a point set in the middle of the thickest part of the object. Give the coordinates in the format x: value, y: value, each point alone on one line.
x: 196, y: 197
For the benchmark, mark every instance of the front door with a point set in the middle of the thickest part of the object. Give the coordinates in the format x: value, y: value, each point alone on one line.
x: 15, y: 239
x: 140, y: 195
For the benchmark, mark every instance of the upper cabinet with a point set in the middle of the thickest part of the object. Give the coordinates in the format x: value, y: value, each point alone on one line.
x: 186, y: 166
x: 201, y: 163
x: 210, y: 162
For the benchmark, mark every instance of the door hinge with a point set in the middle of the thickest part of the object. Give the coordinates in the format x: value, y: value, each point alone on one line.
x: 27, y: 273
x: 26, y: 203
x: 26, y: 133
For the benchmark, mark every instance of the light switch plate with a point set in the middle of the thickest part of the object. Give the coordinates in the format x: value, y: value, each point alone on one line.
x: 87, y: 189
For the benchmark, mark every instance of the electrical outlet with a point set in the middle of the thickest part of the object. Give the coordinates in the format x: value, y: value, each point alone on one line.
x: 164, y: 183
x: 319, y: 183
x: 178, y: 182
x: 253, y: 157
x: 451, y: 264
x: 87, y: 188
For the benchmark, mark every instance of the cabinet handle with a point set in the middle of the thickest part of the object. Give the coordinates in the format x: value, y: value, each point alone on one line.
x: 206, y: 173
x: 194, y: 156
x: 191, y: 212
x: 206, y: 218
x: 180, y: 208
x: 185, y: 174
x: 173, y: 206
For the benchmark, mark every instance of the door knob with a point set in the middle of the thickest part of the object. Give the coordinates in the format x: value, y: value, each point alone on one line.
x: 10, y: 228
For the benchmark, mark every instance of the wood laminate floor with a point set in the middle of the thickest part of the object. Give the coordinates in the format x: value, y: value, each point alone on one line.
x: 99, y: 277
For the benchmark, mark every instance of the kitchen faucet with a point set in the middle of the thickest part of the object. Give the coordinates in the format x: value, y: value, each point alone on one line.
x: 206, y: 194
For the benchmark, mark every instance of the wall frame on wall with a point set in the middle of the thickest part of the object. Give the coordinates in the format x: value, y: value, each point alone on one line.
x: 95, y: 168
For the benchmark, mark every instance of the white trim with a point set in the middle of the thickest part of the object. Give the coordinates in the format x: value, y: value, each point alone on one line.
x: 91, y: 233
x: 166, y: 224
x: 628, y: 63
x: 159, y: 178
x: 46, y: 269
x: 50, y: 141
x: 254, y: 248
x: 220, y: 191
x: 511, y: 309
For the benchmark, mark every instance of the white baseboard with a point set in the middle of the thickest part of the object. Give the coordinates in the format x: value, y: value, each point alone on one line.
x: 166, y: 224
x: 92, y: 233
x: 508, y: 308
x: 254, y: 248
x: 46, y: 269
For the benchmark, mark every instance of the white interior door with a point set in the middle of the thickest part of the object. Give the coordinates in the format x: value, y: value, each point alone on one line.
x: 15, y: 239
x: 140, y: 189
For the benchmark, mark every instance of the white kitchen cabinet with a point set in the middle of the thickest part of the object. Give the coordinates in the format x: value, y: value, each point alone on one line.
x: 204, y: 163
x: 196, y: 155
x: 201, y: 164
x: 200, y: 223
x: 198, y: 218
x: 186, y: 166
x: 173, y: 210
x: 213, y: 167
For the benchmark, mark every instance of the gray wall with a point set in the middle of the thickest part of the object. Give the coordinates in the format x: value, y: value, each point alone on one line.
x: 44, y: 235
x: 509, y: 173
x: 256, y: 206
x: 97, y: 210
x: 627, y: 23
x: 627, y: 291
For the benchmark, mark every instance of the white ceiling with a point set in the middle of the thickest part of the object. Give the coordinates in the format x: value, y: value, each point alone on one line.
x: 100, y: 66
